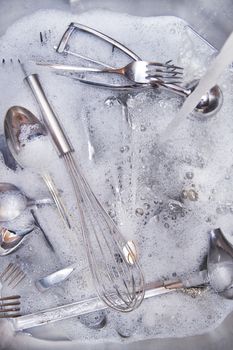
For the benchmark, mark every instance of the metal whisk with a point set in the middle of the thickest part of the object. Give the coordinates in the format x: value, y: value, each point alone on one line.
x: 118, y: 281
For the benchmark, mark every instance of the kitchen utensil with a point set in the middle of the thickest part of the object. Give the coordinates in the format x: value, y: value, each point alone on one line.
x: 10, y: 306
x: 11, y: 240
x: 209, y: 104
x: 16, y: 118
x: 119, y: 284
x: 78, y: 308
x: 13, y: 202
x: 12, y: 276
x: 141, y: 72
x: 219, y: 273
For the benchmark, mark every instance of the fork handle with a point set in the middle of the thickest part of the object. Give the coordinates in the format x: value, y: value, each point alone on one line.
x: 71, y: 68
x: 177, y: 89
x: 75, y: 309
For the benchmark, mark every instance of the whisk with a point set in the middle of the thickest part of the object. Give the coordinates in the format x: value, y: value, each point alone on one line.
x: 119, y: 281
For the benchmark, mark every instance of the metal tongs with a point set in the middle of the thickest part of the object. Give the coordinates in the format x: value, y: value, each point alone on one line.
x: 64, y: 48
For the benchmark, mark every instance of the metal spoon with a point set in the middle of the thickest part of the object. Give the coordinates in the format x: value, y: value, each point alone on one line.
x: 15, y: 121
x: 13, y: 202
x: 210, y: 103
x: 11, y: 240
x: 219, y: 273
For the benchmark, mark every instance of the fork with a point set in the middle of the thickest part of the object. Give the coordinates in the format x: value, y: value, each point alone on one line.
x: 142, y: 72
x: 10, y: 306
x: 12, y: 276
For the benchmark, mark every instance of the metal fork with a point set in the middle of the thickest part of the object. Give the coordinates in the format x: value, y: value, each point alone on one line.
x: 10, y: 306
x: 142, y: 72
x: 12, y: 275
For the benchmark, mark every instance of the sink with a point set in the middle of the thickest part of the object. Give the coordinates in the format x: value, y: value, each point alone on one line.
x: 212, y: 19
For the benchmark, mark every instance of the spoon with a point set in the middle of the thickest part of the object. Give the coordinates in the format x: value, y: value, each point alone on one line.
x: 10, y: 240
x: 210, y: 103
x: 20, y: 126
x: 13, y: 202
x: 219, y: 273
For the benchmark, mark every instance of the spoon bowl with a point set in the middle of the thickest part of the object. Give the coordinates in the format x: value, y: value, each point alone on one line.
x: 10, y: 240
x: 13, y: 202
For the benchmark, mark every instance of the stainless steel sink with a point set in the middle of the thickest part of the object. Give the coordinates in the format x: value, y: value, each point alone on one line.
x: 213, y: 20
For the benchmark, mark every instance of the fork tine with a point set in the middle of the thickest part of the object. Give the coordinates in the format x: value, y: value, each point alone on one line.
x: 22, y: 276
x: 157, y: 64
x: 12, y: 297
x: 163, y: 77
x: 164, y: 74
x: 13, y: 275
x: 10, y: 309
x: 10, y: 304
x: 10, y: 316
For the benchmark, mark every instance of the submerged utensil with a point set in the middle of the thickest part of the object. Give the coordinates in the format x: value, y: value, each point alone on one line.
x: 11, y: 240
x: 78, y: 308
x: 12, y: 276
x: 219, y: 273
x: 20, y: 126
x: 13, y: 202
x: 54, y: 278
x: 119, y: 284
x: 140, y: 72
x: 209, y: 104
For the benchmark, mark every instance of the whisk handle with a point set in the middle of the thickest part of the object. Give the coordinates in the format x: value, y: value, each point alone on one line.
x: 53, y: 125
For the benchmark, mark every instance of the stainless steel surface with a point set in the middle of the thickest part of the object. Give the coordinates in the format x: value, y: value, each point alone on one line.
x: 17, y: 117
x: 77, y: 308
x: 13, y: 202
x: 54, y: 278
x: 119, y: 284
x: 11, y: 240
x: 140, y: 72
x: 59, y: 138
x: 10, y: 306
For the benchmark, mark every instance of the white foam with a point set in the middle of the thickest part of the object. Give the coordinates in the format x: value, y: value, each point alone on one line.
x: 134, y: 176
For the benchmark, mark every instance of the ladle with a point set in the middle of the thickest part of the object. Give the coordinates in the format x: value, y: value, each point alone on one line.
x: 15, y: 121
x: 219, y: 273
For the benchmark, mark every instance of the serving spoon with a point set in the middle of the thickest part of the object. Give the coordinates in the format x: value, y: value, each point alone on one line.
x: 219, y: 272
x: 16, y: 119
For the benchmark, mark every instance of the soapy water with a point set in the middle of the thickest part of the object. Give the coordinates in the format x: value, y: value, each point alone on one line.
x: 163, y: 196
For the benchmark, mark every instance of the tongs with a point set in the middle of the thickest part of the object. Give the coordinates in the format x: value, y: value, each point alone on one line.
x: 64, y: 48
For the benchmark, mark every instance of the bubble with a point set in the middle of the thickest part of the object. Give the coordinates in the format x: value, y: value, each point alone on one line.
x: 112, y: 213
x: 189, y: 175
x: 139, y: 211
x: 124, y: 149
x: 142, y: 128
x: 192, y: 195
